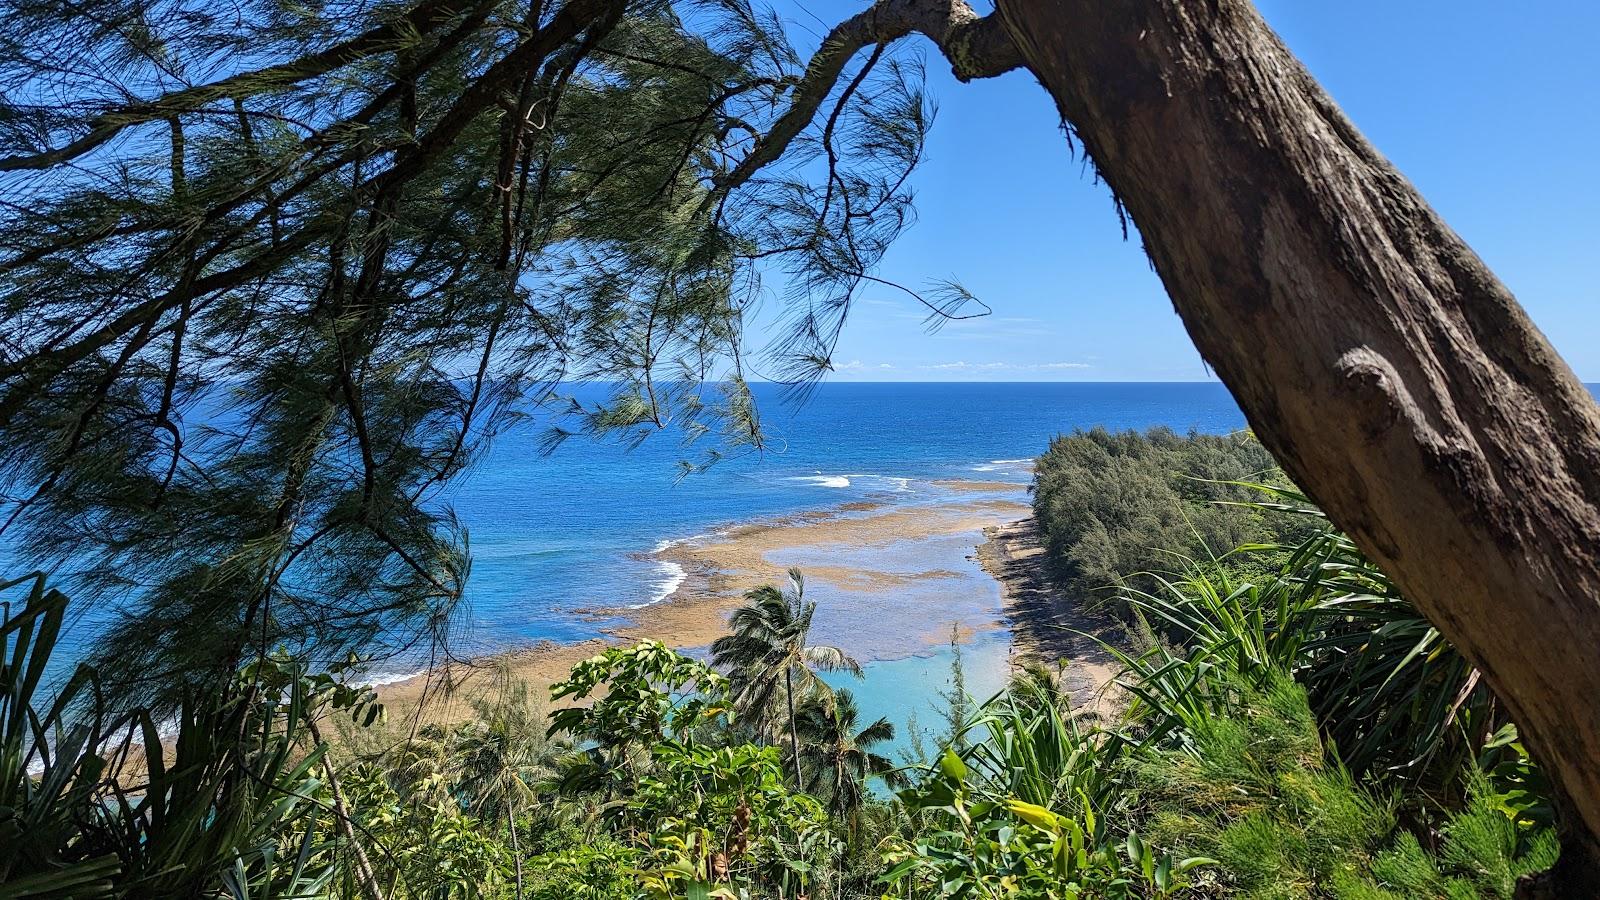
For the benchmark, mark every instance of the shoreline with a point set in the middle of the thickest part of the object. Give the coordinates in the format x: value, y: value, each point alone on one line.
x: 882, y: 574
x: 1049, y: 627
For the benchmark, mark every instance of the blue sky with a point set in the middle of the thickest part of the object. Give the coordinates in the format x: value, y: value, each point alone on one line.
x: 1491, y: 108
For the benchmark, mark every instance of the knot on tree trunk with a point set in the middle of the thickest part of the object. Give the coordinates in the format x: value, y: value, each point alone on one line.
x: 1375, y: 385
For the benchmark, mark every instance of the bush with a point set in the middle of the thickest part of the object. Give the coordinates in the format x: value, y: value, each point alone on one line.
x: 1115, y: 506
x: 1256, y: 789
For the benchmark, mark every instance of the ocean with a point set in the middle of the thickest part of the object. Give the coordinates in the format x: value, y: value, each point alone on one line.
x: 553, y: 536
x: 556, y: 535
x: 574, y: 530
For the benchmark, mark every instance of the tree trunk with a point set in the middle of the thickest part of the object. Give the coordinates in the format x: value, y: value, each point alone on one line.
x: 341, y: 814
x: 1396, y: 379
x: 794, y: 733
x: 516, y: 850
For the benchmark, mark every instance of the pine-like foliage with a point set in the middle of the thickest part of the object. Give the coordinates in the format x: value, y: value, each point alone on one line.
x: 1120, y: 508
x: 271, y: 273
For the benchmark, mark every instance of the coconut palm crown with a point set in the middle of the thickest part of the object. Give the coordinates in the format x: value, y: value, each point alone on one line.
x: 838, y: 756
x: 768, y: 652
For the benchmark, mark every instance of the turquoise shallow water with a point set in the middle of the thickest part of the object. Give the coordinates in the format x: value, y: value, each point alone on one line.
x: 555, y: 534
x: 909, y: 692
x: 574, y: 530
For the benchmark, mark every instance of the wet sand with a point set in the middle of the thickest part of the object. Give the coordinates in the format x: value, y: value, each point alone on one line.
x: 1048, y: 625
x: 890, y: 580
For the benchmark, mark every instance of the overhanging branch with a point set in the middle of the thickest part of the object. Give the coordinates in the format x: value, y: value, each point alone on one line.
x: 976, y: 47
x: 421, y: 19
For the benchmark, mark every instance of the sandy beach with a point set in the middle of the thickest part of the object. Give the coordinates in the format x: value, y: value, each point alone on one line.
x: 1048, y: 625
x: 891, y: 580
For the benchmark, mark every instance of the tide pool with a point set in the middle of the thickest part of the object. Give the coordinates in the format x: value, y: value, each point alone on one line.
x: 553, y: 535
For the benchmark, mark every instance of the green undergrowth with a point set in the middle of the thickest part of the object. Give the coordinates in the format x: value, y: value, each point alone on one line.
x: 1260, y: 792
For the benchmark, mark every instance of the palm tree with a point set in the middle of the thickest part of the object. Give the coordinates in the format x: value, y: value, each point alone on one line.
x: 767, y: 648
x: 842, y: 755
x: 498, y: 759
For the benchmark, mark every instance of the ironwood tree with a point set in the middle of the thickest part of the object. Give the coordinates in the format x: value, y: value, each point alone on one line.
x: 346, y: 208
x: 272, y: 274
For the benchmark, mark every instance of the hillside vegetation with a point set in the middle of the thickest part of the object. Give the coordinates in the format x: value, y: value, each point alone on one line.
x: 1297, y: 731
x: 1117, y: 507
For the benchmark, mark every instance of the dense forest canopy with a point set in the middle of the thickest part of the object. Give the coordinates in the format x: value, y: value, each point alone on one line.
x: 1119, y: 510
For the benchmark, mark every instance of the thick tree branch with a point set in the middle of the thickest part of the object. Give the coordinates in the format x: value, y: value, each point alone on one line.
x: 976, y: 46
x: 1378, y: 358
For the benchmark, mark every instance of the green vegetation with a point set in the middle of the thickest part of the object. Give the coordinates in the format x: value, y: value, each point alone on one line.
x: 256, y: 327
x: 1116, y: 507
x: 272, y: 274
x: 1283, y: 740
x: 838, y: 754
x: 768, y: 650
x: 271, y: 278
x: 1292, y: 728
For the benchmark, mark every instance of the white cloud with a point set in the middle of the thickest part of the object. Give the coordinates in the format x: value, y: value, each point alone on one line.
x: 964, y: 366
x: 856, y: 365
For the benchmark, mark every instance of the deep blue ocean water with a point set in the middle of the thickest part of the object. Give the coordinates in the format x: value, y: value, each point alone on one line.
x: 553, y: 535
x: 573, y: 530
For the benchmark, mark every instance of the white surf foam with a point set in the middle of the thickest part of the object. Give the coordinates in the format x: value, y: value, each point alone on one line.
x: 820, y: 480
x: 378, y: 679
x: 1004, y: 465
x: 897, y: 483
x: 669, y: 575
x: 672, y: 577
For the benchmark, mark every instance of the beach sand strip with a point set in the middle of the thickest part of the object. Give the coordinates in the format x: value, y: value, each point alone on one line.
x: 1044, y: 618
x: 1048, y: 624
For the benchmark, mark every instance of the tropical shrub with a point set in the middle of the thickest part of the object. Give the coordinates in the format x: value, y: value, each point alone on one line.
x: 1251, y: 787
x: 1116, y: 506
x: 1257, y: 789
x: 1027, y: 804
x: 231, y: 801
x: 724, y: 818
x: 424, y: 843
x: 1387, y: 689
x: 976, y: 843
x: 635, y: 696
x: 696, y: 817
x: 596, y: 867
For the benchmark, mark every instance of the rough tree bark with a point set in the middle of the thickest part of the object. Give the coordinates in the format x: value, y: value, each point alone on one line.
x: 1395, y: 378
x: 1373, y: 352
